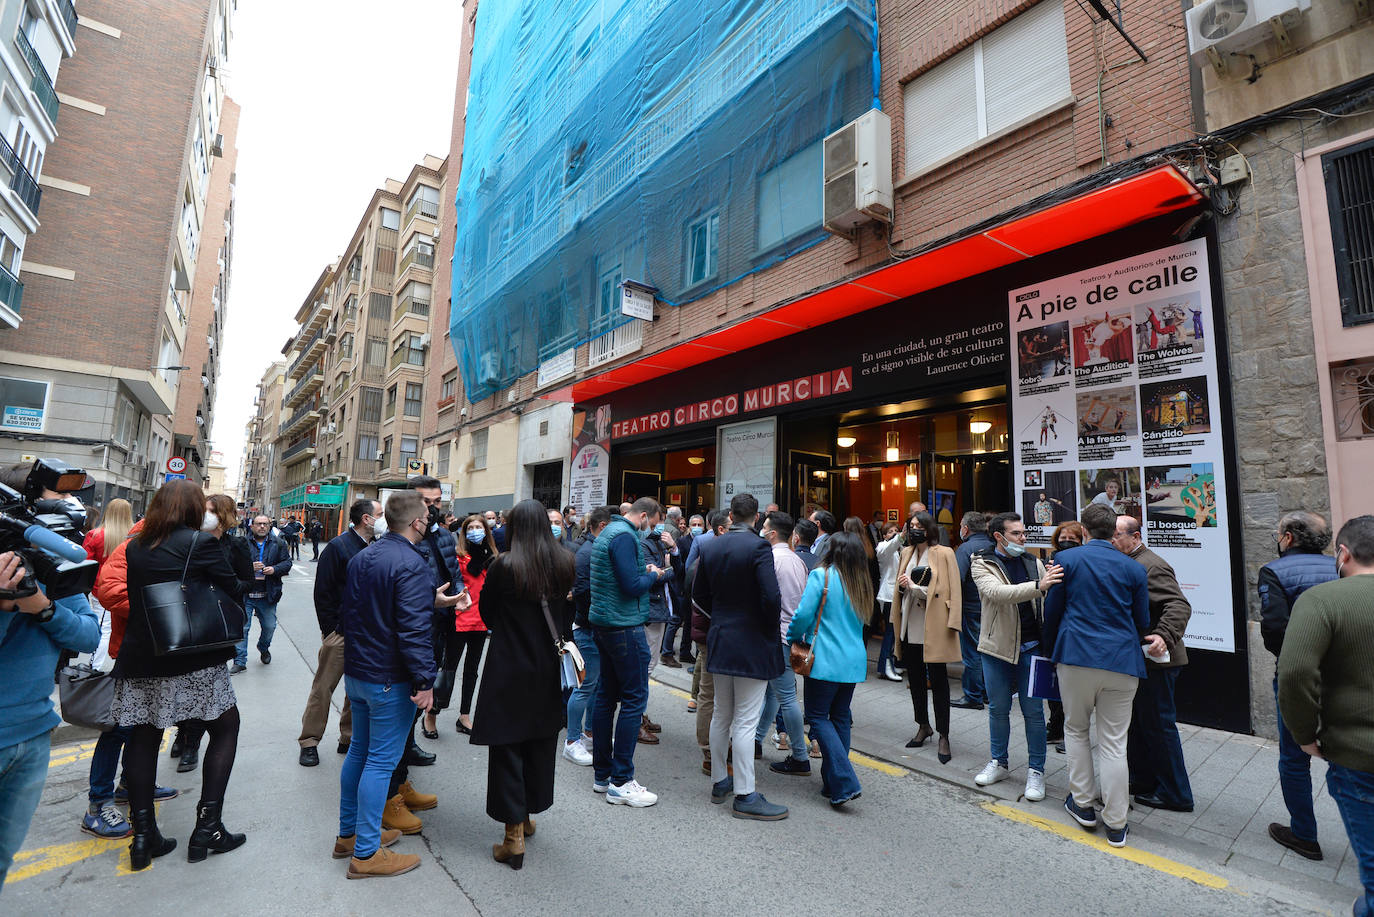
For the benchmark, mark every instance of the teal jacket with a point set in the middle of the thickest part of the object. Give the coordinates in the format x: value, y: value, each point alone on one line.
x: 840, y: 653
x: 620, y: 582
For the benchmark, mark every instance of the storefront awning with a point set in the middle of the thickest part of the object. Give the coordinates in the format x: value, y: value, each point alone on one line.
x: 1125, y: 202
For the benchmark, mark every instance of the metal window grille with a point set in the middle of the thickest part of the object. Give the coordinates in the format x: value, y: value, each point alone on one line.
x: 1349, y: 176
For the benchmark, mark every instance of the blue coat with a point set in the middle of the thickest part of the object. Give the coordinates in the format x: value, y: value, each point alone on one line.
x: 385, y: 617
x: 1095, y: 618
x: 737, y: 588
x: 840, y: 653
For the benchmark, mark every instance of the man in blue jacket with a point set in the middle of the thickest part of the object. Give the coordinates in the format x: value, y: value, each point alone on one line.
x: 33, y: 634
x: 386, y: 622
x: 1093, y: 626
x: 621, y: 579
x: 271, y: 561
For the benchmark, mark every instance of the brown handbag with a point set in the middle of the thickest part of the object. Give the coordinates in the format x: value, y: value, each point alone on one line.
x: 803, y: 655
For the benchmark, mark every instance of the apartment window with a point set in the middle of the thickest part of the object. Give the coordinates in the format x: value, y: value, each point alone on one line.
x: 24, y: 405
x: 414, y: 399
x: 391, y: 401
x: 367, y: 448
x: 423, y: 247
x: 125, y: 422
x: 391, y: 219
x: 386, y: 452
x: 168, y: 355
x: 376, y: 352
x: 790, y: 198
x: 415, y: 349
x: 1350, y: 198
x: 1008, y: 76
x: 479, y: 450
x: 9, y: 254
x: 703, y: 238
x: 410, y: 447
x: 441, y: 462
x: 346, y: 347
x: 370, y: 405
x: 609, y: 296
x: 448, y: 386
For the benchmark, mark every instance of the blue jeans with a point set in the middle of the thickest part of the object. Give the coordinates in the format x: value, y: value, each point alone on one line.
x: 1354, y: 794
x: 624, y: 680
x: 1154, y: 751
x: 105, y: 762
x: 267, y: 624
x: 23, y: 769
x: 828, y: 714
x: 782, y: 698
x: 1295, y: 779
x: 382, y: 716
x: 1002, y: 680
x: 973, y: 681
x: 580, y: 702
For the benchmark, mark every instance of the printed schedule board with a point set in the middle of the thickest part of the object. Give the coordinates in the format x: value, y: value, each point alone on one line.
x: 1115, y: 396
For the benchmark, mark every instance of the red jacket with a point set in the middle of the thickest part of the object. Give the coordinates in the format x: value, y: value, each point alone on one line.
x: 470, y: 618
x: 112, y: 586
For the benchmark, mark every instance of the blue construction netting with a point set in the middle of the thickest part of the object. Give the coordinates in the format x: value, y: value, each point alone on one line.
x: 668, y: 142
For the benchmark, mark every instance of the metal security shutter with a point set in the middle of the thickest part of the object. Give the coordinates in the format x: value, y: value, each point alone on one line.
x: 1026, y: 66
x: 1349, y: 176
x: 941, y: 110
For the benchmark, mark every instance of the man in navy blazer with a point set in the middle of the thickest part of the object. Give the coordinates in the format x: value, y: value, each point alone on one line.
x: 1094, y: 622
x: 736, y: 587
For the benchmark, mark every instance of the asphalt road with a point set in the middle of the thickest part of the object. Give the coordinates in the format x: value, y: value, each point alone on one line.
x: 911, y: 845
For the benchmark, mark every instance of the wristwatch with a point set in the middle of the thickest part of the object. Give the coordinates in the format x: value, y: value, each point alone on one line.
x: 46, y: 614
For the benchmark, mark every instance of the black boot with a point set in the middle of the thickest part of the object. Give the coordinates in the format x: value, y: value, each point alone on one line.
x: 148, y: 841
x: 190, y: 758
x: 210, y: 835
x: 178, y: 744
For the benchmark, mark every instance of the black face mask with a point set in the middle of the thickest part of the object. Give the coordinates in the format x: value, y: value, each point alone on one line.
x: 433, y: 515
x: 915, y: 537
x: 1065, y: 545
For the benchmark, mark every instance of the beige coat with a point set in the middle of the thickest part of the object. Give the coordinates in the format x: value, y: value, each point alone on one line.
x: 944, y: 602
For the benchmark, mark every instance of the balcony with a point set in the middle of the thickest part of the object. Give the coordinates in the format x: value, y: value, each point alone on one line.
x: 306, y: 415
x: 298, y: 452
x: 21, y: 180
x: 42, y: 83
x: 68, y: 16
x: 11, y: 290
x: 616, y: 343
x: 413, y: 304
x: 418, y: 258
x: 427, y: 209
x: 313, y: 346
x: 305, y: 388
x: 401, y: 358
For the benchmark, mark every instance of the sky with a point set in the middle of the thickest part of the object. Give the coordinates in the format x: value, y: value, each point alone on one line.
x: 337, y: 97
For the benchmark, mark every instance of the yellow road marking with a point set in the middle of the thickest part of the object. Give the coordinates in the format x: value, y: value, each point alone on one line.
x: 68, y: 754
x: 1079, y: 836
x: 892, y: 770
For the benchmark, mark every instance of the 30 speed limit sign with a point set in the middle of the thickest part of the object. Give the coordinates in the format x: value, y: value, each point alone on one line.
x: 176, y: 464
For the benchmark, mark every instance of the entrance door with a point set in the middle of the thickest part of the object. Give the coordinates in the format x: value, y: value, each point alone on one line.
x: 548, y: 484
x: 960, y: 483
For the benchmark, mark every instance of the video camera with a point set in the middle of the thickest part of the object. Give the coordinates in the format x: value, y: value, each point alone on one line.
x: 28, y: 521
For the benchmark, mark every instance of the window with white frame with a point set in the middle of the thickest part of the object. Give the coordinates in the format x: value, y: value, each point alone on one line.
x: 9, y: 254
x: 391, y: 219
x: 479, y: 450
x: 1010, y: 75
x: 608, y: 298
x: 703, y: 244
x: 410, y: 446
x: 23, y: 405
x: 441, y: 460
x: 448, y: 386
x: 125, y: 422
x: 790, y: 197
x: 414, y: 399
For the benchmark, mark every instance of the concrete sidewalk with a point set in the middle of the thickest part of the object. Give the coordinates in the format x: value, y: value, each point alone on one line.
x: 1234, y: 779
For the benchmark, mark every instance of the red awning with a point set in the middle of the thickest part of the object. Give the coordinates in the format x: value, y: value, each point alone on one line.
x: 1116, y: 206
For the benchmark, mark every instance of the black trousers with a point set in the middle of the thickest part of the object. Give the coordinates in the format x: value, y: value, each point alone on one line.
x: 467, y: 646
x: 520, y: 779
x: 917, y: 674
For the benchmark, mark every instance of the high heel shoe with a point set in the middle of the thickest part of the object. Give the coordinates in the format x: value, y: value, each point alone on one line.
x: 943, y: 752
x: 919, y: 739
x: 427, y: 732
x: 512, y: 849
x: 148, y: 841
x: 210, y: 835
x: 889, y: 673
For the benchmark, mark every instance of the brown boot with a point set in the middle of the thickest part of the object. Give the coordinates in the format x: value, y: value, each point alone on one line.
x: 397, y: 817
x: 529, y: 827
x: 382, y: 864
x: 343, y: 846
x: 512, y: 849
x: 646, y: 723
x: 647, y: 737
x: 415, y: 801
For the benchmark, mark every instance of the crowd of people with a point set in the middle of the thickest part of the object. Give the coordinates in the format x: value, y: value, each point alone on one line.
x: 408, y: 596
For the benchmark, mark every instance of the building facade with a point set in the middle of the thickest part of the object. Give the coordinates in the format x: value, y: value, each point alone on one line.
x: 95, y: 371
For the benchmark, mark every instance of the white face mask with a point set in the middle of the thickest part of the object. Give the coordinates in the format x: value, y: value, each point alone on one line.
x: 209, y: 522
x: 379, y: 527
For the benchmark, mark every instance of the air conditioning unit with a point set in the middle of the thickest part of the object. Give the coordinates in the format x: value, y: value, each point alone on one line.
x: 424, y: 340
x: 1218, y: 28
x: 857, y: 173
x: 489, y: 368
x: 380, y: 455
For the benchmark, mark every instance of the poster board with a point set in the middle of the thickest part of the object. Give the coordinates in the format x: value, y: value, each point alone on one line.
x: 746, y: 460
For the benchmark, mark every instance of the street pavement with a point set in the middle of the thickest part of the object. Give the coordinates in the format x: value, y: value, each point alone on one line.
x: 913, y: 844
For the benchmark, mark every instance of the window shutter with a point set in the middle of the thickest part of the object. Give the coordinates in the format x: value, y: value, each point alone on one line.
x: 941, y: 110
x: 1026, y: 65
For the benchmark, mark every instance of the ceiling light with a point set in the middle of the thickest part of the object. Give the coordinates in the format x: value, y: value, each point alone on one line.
x: 853, y: 474
x: 695, y: 459
x: 892, y: 447
x: 845, y: 442
x: 911, y: 480
x: 979, y: 426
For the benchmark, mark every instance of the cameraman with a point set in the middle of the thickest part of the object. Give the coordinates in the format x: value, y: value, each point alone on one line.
x: 34, y: 633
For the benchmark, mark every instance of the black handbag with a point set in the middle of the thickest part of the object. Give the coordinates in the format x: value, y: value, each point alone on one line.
x: 86, y: 695
x: 194, y: 619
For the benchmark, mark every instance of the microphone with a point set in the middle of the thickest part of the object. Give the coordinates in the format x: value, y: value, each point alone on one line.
x: 53, y: 543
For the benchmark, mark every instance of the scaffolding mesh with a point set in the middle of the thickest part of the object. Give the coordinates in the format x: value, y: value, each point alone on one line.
x: 667, y: 142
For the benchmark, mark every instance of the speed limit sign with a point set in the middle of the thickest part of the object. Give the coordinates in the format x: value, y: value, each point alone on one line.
x: 176, y: 464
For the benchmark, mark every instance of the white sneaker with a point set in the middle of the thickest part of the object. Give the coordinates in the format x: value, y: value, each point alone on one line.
x: 630, y: 794
x: 1035, y: 785
x: 577, y: 753
x: 599, y: 787
x: 995, y: 772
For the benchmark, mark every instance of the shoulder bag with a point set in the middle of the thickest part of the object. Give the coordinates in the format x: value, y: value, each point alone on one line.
x: 184, y: 620
x: 803, y: 655
x: 571, y: 668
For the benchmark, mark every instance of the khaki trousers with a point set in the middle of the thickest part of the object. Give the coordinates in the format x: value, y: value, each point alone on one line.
x: 328, y: 672
x: 706, y: 700
x: 1109, y: 695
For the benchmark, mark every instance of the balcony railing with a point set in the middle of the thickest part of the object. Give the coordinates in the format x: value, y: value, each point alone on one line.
x: 42, y: 83
x: 304, y: 353
x: 414, y: 305
x: 303, y: 449
x: 616, y: 343
x: 11, y: 290
x: 424, y: 208
x: 68, y: 16
x: 21, y: 180
x: 417, y: 257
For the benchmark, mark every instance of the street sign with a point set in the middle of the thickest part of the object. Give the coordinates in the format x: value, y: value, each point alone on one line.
x: 312, y: 488
x: 636, y: 301
x: 176, y: 465
x: 170, y: 476
x: 415, y: 467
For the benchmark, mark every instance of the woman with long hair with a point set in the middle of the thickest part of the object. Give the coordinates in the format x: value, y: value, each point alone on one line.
x: 837, y: 603
x: 520, y: 704
x: 464, y: 641
x: 927, y: 622
x: 152, y: 692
